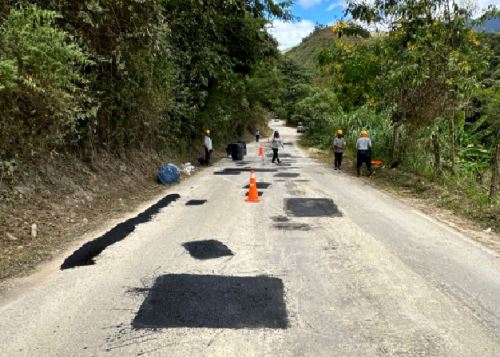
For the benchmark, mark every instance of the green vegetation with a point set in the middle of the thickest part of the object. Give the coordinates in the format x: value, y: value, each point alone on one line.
x: 118, y: 75
x: 427, y: 90
x: 306, y: 54
x: 84, y: 76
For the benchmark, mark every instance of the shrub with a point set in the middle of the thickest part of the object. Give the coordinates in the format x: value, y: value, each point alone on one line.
x: 40, y: 81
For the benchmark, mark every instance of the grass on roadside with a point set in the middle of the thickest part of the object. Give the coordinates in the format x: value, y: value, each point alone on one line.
x: 448, y: 192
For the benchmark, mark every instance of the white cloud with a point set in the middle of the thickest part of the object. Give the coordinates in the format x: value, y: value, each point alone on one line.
x: 289, y: 34
x: 483, y: 4
x: 306, y: 4
x: 335, y: 5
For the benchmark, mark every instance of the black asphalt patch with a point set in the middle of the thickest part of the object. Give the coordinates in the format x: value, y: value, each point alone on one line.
x: 287, y: 174
x: 196, y: 202
x: 213, y: 301
x: 86, y: 253
x: 311, y: 207
x: 280, y: 219
x: 292, y: 226
x: 301, y: 181
x: 263, y: 170
x: 239, y: 170
x: 227, y: 173
x: 260, y: 185
x: 207, y: 249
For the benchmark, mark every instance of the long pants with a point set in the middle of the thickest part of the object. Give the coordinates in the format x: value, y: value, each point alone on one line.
x: 364, y: 156
x: 275, y: 155
x: 257, y: 138
x: 338, y: 159
x: 208, y: 154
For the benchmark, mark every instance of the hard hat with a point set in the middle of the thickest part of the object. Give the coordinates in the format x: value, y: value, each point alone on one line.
x: 207, y: 131
x: 364, y: 133
x: 340, y: 132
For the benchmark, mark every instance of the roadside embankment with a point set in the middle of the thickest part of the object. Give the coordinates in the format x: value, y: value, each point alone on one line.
x: 66, y: 198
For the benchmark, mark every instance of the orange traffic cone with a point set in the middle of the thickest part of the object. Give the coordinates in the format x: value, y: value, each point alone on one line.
x: 261, y: 151
x: 253, y: 194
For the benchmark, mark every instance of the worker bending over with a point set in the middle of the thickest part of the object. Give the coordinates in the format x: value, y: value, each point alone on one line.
x: 364, y: 149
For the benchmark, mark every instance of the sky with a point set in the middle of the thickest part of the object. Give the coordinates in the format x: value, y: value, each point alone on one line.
x: 312, y: 12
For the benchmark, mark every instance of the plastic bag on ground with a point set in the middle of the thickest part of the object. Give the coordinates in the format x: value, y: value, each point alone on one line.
x: 188, y: 169
x: 169, y: 174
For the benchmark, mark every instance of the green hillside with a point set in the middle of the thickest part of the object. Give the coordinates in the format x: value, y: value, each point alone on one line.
x: 307, y: 52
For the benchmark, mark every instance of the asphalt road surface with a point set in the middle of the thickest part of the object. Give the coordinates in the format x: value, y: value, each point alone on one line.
x: 324, y: 265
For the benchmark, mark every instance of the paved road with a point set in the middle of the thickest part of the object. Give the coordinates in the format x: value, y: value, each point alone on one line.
x: 324, y: 266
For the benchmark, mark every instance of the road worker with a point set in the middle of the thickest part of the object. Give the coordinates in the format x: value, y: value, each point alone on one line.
x: 364, y: 152
x: 208, y: 147
x: 275, y: 145
x: 257, y: 135
x: 338, y: 148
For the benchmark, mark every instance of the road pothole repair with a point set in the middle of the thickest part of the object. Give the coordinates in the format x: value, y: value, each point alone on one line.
x: 227, y: 173
x: 238, y: 170
x: 292, y: 226
x: 287, y: 174
x: 207, y: 249
x: 86, y: 253
x: 196, y: 202
x: 280, y: 219
x: 213, y: 301
x: 311, y: 207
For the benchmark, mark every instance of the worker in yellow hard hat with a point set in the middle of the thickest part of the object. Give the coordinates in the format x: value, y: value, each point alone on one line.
x: 364, y: 152
x: 208, y: 147
x: 338, y: 148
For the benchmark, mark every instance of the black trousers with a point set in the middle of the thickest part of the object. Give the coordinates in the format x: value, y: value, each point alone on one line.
x: 257, y: 138
x: 338, y: 159
x: 208, y: 155
x: 275, y: 155
x: 364, y: 156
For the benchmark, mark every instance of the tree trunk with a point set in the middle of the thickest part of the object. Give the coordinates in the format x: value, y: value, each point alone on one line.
x: 437, y: 154
x: 495, y: 173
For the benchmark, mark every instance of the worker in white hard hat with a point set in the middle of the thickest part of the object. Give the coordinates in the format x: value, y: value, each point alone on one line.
x: 208, y: 147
